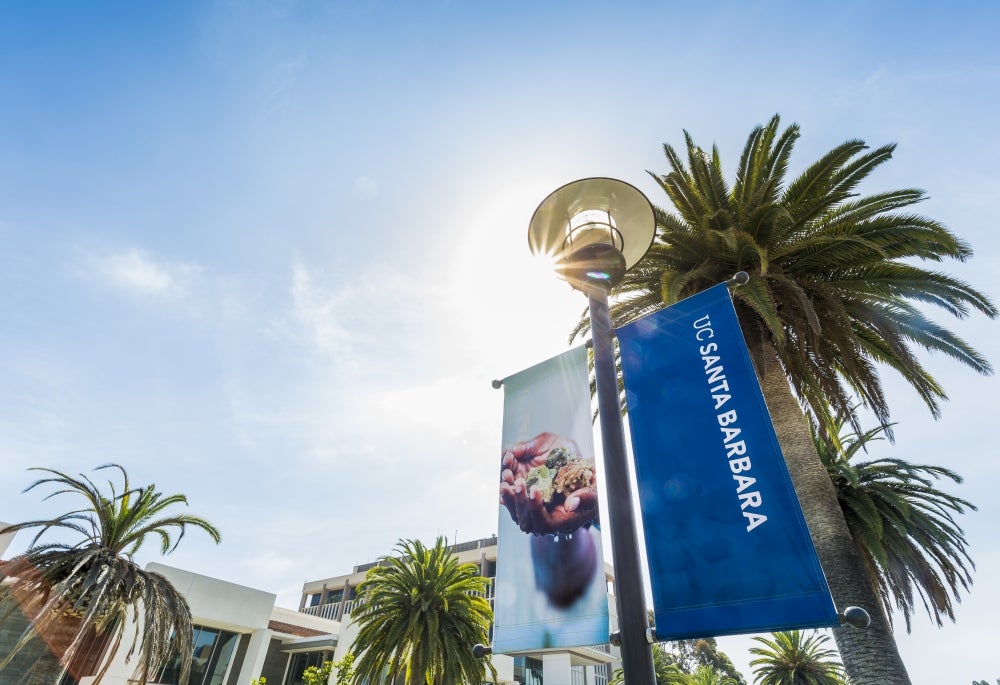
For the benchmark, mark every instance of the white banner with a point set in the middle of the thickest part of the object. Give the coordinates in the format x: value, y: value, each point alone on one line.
x: 550, y: 586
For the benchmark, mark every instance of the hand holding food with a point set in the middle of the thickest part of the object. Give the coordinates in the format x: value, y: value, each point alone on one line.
x: 547, y: 487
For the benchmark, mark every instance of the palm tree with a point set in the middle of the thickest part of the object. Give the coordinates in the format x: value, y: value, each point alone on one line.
x: 420, y: 613
x: 793, y: 659
x: 85, y: 593
x: 903, y: 526
x: 833, y: 295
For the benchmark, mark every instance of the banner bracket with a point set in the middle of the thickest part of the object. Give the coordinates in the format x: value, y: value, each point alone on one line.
x: 855, y: 616
x: 739, y: 278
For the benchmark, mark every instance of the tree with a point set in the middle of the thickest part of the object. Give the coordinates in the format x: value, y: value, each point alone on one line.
x: 834, y: 294
x: 420, y: 613
x: 690, y: 655
x: 318, y: 675
x: 791, y: 658
x: 706, y: 675
x: 85, y: 593
x: 344, y: 669
x: 685, y: 662
x: 903, y: 526
x: 667, y: 672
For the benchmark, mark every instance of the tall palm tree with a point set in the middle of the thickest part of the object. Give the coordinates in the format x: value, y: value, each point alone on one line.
x: 86, y: 592
x: 904, y: 527
x: 833, y: 295
x: 420, y: 613
x: 792, y: 658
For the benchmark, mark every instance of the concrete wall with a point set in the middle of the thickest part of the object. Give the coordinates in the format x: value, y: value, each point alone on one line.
x: 5, y: 539
x: 220, y: 604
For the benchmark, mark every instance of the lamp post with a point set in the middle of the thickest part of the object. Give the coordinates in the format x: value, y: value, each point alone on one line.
x: 596, y: 228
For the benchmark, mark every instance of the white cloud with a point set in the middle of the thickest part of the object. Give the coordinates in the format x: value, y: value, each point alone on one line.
x: 136, y: 271
x: 448, y: 408
x: 317, y: 310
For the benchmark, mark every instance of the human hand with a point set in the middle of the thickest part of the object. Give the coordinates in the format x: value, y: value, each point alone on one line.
x: 521, y: 457
x: 526, y: 504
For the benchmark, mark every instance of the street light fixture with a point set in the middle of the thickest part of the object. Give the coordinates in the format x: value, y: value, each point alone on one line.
x: 595, y: 229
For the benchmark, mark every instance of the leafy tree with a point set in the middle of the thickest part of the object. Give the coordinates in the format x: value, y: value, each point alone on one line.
x: 791, y: 658
x: 344, y: 669
x: 690, y: 655
x: 667, y: 672
x: 904, y: 527
x: 706, y: 675
x: 318, y: 675
x: 420, y: 614
x: 87, y: 591
x: 835, y: 293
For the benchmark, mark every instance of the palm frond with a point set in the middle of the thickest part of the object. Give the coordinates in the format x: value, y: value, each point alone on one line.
x: 71, y: 592
x: 904, y: 527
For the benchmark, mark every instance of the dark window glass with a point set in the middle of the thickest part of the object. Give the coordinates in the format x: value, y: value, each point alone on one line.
x: 303, y: 660
x: 528, y: 671
x: 220, y: 659
x: 334, y: 596
x: 204, y: 644
x: 213, y: 650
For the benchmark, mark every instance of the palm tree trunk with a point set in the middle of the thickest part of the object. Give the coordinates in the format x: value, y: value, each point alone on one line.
x: 870, y: 655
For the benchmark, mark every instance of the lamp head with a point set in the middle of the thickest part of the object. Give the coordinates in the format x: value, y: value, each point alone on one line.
x: 595, y: 229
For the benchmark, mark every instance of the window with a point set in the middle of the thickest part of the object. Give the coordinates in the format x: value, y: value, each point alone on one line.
x: 578, y: 675
x: 528, y: 671
x: 601, y: 674
x: 334, y: 596
x: 213, y: 650
x: 303, y: 660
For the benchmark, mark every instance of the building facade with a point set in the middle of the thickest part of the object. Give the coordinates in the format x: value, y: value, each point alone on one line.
x: 334, y: 599
x: 241, y: 636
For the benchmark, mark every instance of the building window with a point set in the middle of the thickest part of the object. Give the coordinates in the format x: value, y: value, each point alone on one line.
x: 334, y: 596
x: 528, y: 671
x: 303, y: 660
x: 578, y: 675
x: 601, y: 674
x: 213, y: 650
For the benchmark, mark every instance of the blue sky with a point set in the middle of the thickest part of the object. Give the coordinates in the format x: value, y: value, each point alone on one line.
x: 270, y: 254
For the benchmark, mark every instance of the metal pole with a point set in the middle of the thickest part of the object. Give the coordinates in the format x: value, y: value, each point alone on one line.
x: 637, y: 655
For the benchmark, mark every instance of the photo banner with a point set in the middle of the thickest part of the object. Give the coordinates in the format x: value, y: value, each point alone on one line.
x: 727, y: 545
x: 550, y: 583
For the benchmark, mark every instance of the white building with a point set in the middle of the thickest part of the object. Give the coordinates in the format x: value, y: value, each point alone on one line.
x: 334, y: 599
x: 240, y: 635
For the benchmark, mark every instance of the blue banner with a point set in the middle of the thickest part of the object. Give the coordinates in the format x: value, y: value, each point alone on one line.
x: 728, y: 548
x: 551, y: 589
